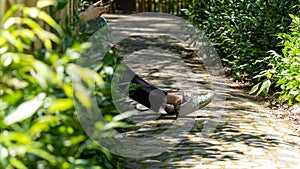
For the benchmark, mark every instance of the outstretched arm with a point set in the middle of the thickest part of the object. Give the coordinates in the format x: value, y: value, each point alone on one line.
x: 93, y: 11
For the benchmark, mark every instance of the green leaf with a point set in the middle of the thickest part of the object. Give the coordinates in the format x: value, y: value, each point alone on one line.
x: 254, y: 88
x: 51, y: 22
x: 9, y: 13
x: 260, y: 75
x: 19, y: 59
x: 42, y: 73
x: 8, y: 57
x: 20, y: 138
x: 75, y: 140
x: 89, y: 76
x: 11, y: 21
x: 268, y: 74
x: 43, y: 123
x: 61, y: 105
x: 292, y: 16
x: 298, y: 98
x: 43, y: 154
x: 32, y: 12
x: 259, y: 91
x: 25, y: 34
x: 13, y: 98
x: 25, y: 110
x: 265, y: 86
x: 3, y: 43
x: 13, y: 40
x: 68, y: 90
x: 31, y: 23
x: 17, y: 163
x: 45, y: 3
x: 82, y: 94
x: 46, y: 37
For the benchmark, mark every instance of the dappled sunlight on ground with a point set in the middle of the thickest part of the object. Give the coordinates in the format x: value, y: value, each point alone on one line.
x: 243, y: 132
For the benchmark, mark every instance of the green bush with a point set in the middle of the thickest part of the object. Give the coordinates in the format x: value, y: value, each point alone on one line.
x: 284, y: 70
x: 243, y: 31
x: 38, y: 123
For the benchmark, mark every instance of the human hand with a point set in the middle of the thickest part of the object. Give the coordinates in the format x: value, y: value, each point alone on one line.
x: 114, y: 47
x: 93, y: 11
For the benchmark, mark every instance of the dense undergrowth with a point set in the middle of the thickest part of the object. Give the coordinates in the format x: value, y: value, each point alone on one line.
x: 258, y: 41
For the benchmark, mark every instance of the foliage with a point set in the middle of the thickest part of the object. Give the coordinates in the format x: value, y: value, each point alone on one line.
x: 284, y: 70
x: 243, y: 31
x: 38, y: 123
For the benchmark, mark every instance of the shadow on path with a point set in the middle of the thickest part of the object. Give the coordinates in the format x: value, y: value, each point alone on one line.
x: 245, y: 135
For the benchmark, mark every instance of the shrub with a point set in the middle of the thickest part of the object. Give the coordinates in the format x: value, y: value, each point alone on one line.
x: 38, y: 123
x: 284, y: 70
x: 243, y: 31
